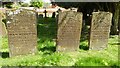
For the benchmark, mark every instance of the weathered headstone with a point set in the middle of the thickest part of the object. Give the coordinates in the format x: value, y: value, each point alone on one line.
x: 0, y: 24
x: 3, y: 31
x: 22, y: 32
x: 0, y: 33
x: 53, y: 15
x: 100, y: 29
x: 40, y: 15
x: 69, y: 31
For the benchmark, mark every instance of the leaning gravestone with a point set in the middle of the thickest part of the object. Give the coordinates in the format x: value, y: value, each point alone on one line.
x: 22, y: 32
x: 69, y: 31
x: 100, y: 29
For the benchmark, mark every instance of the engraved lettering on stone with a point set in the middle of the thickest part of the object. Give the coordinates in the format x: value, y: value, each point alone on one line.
x: 22, y: 34
x: 100, y: 29
x: 69, y: 30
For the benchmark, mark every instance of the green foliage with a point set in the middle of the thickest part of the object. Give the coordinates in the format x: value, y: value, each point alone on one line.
x: 95, y: 61
x: 4, y: 44
x: 55, y: 59
x: 12, y: 5
x: 9, y: 5
x: 36, y: 3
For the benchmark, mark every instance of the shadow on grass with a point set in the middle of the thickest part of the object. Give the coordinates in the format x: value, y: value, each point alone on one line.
x: 118, y: 43
x: 85, y: 33
x: 115, y: 66
x: 48, y: 50
x: 114, y: 43
x: 83, y: 47
x: 47, y: 30
x: 5, y: 54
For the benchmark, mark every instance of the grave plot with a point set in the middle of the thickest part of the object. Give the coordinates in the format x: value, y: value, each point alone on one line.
x: 22, y: 32
x: 100, y: 29
x: 69, y: 31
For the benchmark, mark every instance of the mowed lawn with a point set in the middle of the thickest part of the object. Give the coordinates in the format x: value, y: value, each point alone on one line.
x: 47, y: 56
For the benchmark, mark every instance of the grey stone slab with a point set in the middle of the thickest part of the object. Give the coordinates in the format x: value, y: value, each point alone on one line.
x: 0, y: 33
x: 69, y: 31
x: 22, y: 32
x: 100, y: 29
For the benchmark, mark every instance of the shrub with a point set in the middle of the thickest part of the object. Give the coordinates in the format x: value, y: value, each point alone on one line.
x: 36, y: 3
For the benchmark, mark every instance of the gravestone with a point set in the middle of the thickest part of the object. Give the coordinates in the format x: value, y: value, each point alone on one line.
x: 53, y: 15
x: 69, y: 31
x: 100, y: 29
x: 40, y: 15
x: 22, y: 32
x: 0, y: 24
x: 3, y: 31
x: 0, y: 33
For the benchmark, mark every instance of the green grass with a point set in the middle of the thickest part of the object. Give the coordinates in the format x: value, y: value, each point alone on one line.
x: 46, y: 55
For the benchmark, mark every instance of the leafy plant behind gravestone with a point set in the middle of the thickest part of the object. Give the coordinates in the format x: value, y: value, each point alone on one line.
x: 8, y: 5
x: 36, y: 3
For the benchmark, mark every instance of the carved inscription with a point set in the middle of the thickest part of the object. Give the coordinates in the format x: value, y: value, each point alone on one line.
x: 22, y: 32
x: 100, y: 29
x: 69, y: 31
